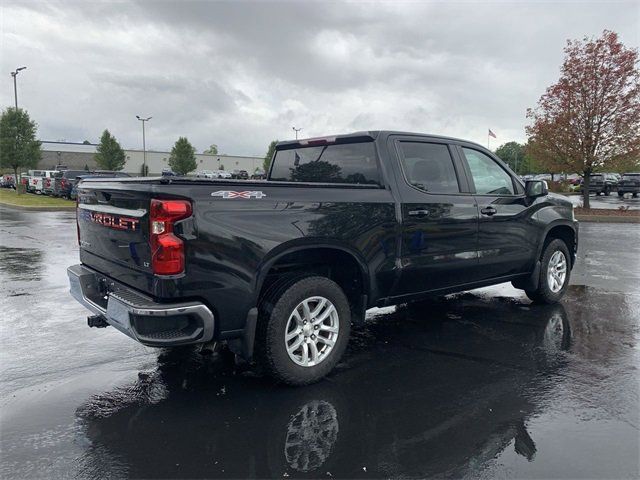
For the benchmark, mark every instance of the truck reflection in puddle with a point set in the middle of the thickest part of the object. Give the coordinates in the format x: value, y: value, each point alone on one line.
x: 412, y: 397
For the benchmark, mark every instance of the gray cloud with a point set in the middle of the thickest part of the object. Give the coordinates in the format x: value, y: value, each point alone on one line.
x: 242, y: 73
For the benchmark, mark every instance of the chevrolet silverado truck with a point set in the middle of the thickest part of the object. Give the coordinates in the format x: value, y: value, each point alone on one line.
x: 278, y: 269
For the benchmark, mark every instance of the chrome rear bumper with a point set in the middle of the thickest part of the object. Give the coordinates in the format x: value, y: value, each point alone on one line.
x: 138, y: 316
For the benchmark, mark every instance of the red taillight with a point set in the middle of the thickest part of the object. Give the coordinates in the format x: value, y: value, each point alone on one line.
x: 63, y: 183
x: 167, y: 250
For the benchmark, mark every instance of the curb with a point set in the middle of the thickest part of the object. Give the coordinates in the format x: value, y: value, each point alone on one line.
x: 40, y: 208
x: 607, y: 219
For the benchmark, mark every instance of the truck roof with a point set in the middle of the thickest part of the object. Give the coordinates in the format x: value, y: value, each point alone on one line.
x: 368, y: 135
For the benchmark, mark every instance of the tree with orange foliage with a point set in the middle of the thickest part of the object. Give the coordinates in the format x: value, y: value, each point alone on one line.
x: 590, y: 119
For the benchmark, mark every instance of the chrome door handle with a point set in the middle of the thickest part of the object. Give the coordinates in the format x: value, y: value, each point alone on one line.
x: 418, y: 213
x: 488, y: 211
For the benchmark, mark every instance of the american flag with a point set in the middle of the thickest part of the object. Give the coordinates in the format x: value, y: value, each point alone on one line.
x: 491, y: 134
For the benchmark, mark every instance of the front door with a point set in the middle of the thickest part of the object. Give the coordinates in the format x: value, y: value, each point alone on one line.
x: 506, y: 235
x: 439, y: 218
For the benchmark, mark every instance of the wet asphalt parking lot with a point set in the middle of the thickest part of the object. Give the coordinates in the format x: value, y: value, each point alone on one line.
x: 479, y: 385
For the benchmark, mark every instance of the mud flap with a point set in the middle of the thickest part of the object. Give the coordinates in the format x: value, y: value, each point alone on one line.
x: 531, y: 282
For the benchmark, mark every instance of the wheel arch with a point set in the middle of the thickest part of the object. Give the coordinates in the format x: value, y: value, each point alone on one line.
x: 316, y: 253
x: 564, y: 230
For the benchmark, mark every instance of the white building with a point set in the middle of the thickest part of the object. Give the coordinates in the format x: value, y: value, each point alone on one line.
x: 80, y: 156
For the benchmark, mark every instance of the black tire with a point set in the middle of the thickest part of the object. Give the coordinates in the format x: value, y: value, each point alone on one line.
x: 634, y: 195
x: 621, y: 194
x: 544, y: 294
x: 607, y: 192
x: 271, y: 351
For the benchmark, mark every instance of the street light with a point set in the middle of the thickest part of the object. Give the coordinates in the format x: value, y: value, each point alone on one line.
x: 15, y: 85
x: 144, y: 146
x: 296, y: 130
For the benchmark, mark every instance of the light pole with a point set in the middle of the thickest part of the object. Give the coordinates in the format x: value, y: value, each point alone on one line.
x: 144, y: 146
x: 15, y: 84
x: 296, y: 130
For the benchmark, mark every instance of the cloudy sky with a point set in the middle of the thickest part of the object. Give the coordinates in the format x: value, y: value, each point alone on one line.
x: 241, y: 74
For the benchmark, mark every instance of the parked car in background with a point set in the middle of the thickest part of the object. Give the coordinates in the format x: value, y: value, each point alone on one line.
x: 167, y: 172
x: 8, y: 181
x: 47, y: 187
x: 222, y: 174
x: 547, y: 177
x: 629, y: 183
x: 64, y: 181
x: 573, y: 179
x: 259, y: 175
x: 600, y: 183
x: 240, y: 175
x: 205, y: 174
x: 37, y: 179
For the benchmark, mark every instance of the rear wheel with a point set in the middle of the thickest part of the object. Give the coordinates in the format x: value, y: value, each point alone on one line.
x: 306, y: 332
x: 621, y: 194
x: 607, y: 192
x: 555, y: 270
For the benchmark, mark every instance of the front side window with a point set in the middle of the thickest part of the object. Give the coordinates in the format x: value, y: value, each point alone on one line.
x: 346, y: 163
x: 429, y: 167
x: 489, y: 177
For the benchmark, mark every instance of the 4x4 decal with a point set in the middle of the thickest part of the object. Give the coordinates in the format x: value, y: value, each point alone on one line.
x: 226, y: 194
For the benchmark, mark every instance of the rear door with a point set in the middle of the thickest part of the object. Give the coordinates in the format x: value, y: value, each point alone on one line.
x: 439, y: 217
x: 506, y: 234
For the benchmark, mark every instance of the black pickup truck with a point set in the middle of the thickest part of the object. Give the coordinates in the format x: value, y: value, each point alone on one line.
x: 278, y: 269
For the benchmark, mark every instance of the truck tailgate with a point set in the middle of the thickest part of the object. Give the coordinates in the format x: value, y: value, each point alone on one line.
x: 113, y: 224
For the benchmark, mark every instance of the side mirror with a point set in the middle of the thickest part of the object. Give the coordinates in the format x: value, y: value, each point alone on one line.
x: 535, y: 188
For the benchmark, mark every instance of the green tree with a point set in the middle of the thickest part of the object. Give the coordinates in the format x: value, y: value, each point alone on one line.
x: 19, y: 148
x: 512, y: 153
x: 86, y: 142
x: 212, y: 150
x: 269, y: 156
x: 183, y: 158
x: 110, y: 155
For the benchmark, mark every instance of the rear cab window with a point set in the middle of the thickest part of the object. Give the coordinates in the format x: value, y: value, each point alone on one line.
x: 429, y: 167
x: 354, y: 163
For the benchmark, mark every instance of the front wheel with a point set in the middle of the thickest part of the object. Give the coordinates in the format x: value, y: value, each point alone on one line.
x: 555, y: 270
x: 306, y: 332
x: 621, y: 194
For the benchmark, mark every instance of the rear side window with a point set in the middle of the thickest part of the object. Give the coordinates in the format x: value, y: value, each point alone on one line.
x: 347, y: 163
x: 429, y: 167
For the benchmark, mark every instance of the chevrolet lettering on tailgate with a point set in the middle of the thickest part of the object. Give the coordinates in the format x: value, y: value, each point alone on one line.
x: 114, y: 221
